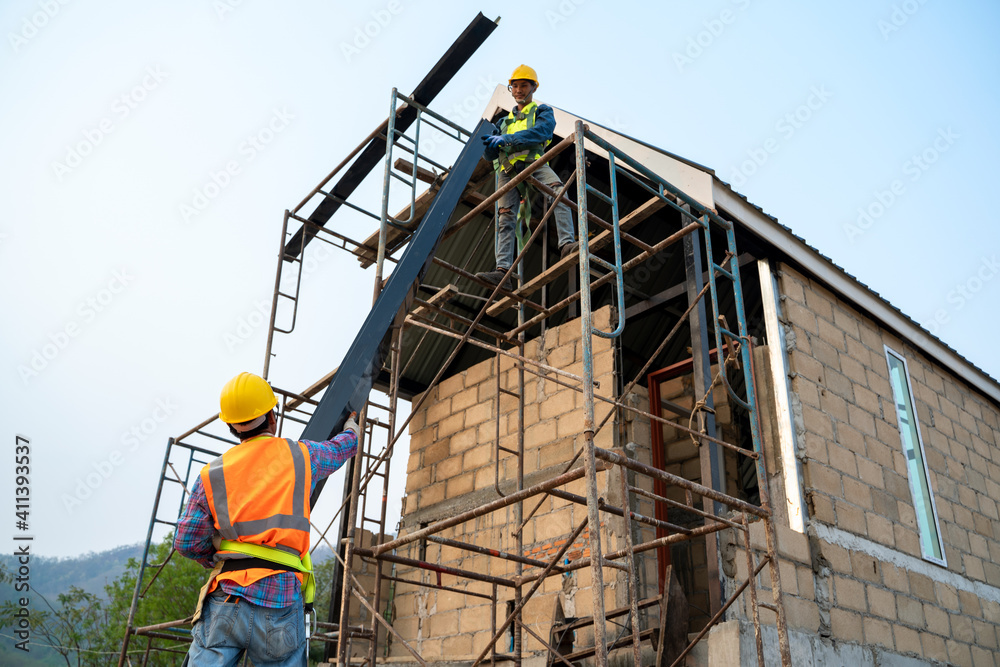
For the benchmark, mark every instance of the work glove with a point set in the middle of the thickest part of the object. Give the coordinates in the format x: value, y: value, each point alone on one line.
x: 352, y: 425
x: 493, y: 141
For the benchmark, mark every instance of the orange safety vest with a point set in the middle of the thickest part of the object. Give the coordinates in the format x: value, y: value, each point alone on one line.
x: 258, y: 493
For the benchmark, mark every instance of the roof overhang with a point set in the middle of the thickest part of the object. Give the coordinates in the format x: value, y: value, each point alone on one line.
x: 701, y: 184
x: 846, y: 286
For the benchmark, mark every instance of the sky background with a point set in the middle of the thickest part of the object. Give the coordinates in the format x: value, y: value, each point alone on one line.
x: 868, y: 128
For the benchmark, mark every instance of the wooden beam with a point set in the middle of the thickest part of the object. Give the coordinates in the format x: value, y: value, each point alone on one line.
x: 406, y: 167
x: 565, y: 264
x: 437, y: 299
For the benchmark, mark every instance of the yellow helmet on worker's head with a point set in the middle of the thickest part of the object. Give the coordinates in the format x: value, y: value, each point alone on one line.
x: 523, y: 72
x: 245, y: 398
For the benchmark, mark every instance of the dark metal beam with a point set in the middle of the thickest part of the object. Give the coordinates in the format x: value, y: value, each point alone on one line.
x: 349, y: 389
x: 373, y: 154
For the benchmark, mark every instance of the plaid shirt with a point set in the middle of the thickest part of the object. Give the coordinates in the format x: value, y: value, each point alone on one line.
x: 196, y: 527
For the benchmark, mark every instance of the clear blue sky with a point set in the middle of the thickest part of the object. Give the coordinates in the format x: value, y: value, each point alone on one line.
x: 117, y: 113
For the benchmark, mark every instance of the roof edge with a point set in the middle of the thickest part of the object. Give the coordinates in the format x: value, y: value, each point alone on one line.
x: 852, y: 290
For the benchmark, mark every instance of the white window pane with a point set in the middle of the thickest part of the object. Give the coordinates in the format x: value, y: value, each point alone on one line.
x: 909, y: 431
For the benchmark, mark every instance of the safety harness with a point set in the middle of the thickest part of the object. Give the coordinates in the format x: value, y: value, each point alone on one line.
x: 281, y: 510
x: 259, y: 555
x: 512, y: 163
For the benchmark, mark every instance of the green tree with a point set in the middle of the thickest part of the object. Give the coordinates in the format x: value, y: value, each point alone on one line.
x: 324, y: 580
x: 86, y: 631
x: 169, y: 592
x: 71, y: 628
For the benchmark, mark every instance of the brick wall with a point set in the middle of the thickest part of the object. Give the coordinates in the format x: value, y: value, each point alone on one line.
x: 859, y: 575
x: 453, y: 468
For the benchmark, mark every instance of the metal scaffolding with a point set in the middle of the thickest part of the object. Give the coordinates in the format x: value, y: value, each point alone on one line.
x: 699, y: 234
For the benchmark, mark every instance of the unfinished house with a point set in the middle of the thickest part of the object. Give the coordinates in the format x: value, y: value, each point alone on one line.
x: 697, y: 441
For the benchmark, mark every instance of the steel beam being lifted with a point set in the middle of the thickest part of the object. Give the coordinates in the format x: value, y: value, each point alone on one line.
x: 351, y: 385
x: 374, y: 153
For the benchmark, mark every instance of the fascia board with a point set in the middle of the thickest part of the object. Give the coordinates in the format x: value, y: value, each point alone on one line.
x: 849, y: 288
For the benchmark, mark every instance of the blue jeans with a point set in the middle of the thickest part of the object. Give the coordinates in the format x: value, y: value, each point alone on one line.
x: 271, y: 637
x: 506, y: 247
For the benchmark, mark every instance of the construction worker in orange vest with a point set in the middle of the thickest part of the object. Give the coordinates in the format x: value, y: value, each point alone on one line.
x: 521, y: 139
x: 248, y: 519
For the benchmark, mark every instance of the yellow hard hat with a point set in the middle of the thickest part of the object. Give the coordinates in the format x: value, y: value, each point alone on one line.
x: 245, y: 397
x: 523, y: 72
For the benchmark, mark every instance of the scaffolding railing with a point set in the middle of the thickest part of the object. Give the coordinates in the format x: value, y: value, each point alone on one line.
x: 722, y: 511
x: 706, y: 499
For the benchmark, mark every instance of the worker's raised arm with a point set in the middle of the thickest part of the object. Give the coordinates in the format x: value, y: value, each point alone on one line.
x: 326, y: 457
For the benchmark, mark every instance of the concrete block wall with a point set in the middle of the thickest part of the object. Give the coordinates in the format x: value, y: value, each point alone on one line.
x: 858, y: 574
x: 452, y: 469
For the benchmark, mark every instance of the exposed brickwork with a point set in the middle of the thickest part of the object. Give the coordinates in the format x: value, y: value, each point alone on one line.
x: 453, y: 455
x: 856, y: 479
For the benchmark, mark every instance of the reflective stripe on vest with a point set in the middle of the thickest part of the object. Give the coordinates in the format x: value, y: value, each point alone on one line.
x: 522, y: 120
x: 257, y: 493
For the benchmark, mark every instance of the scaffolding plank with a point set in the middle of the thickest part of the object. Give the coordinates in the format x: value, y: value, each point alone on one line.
x: 567, y: 263
x: 404, y: 166
x: 454, y: 58
x: 438, y: 298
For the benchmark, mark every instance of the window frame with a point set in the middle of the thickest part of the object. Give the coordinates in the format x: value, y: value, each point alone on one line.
x: 943, y: 560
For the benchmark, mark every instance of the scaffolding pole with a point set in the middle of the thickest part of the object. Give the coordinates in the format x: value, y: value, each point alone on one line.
x: 706, y: 500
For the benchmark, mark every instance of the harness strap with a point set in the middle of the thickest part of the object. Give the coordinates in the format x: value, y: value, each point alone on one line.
x: 260, y: 556
x: 278, y: 557
x: 238, y: 564
x: 203, y: 593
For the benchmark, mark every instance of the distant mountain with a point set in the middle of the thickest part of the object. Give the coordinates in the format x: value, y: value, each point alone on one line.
x: 91, y: 572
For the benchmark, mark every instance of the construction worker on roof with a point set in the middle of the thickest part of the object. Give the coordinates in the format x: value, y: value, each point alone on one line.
x: 248, y: 519
x: 522, y: 138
